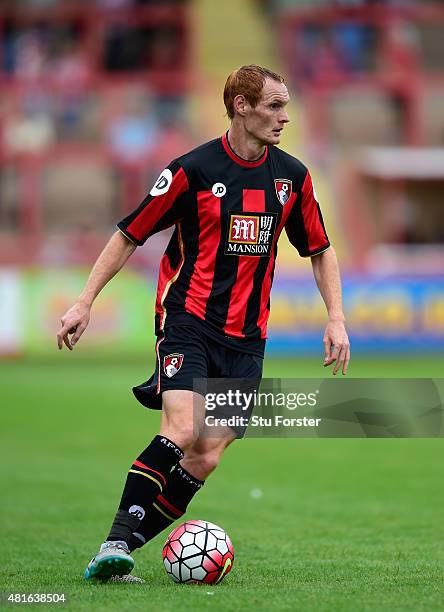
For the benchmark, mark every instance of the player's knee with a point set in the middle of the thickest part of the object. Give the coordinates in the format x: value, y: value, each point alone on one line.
x: 177, y: 422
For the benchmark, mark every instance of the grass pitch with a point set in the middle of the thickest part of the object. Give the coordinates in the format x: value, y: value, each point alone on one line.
x: 336, y: 525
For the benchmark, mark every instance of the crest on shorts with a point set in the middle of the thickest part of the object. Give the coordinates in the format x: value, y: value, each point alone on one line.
x: 283, y: 189
x: 172, y: 364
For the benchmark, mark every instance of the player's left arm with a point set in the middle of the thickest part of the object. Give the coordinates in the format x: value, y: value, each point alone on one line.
x: 306, y: 231
x: 336, y: 342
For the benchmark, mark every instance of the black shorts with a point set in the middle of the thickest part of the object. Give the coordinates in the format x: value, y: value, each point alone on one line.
x: 183, y: 354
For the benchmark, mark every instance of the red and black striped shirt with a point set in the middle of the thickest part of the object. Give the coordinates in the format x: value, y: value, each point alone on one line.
x: 228, y: 213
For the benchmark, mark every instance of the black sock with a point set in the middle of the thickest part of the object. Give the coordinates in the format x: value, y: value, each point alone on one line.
x: 147, y: 478
x: 168, y: 506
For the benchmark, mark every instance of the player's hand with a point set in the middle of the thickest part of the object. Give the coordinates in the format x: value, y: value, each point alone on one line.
x: 74, y: 323
x: 336, y: 346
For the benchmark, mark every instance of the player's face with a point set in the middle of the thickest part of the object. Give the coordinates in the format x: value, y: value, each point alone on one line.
x: 267, y: 119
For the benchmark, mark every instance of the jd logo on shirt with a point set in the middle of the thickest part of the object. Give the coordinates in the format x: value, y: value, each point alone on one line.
x: 219, y: 190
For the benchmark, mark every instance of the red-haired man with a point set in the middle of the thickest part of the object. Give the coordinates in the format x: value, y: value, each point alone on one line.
x: 229, y: 200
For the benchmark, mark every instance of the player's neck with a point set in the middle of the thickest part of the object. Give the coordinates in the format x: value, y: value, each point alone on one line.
x: 243, y: 145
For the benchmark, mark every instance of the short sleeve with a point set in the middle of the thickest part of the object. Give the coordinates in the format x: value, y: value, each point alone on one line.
x: 305, y: 226
x: 161, y: 208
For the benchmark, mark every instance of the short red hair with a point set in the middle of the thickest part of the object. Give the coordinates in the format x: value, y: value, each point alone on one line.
x: 247, y: 81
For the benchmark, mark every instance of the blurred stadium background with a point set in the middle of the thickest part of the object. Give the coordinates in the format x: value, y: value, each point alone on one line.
x: 97, y: 96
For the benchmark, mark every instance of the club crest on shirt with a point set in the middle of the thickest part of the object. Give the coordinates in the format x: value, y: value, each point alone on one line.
x: 250, y: 234
x: 172, y: 364
x: 283, y: 189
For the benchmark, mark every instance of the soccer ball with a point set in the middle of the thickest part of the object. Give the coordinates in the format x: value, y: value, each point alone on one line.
x: 198, y: 552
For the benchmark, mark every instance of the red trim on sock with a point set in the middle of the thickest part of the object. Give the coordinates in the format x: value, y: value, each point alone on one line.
x: 169, y: 506
x: 142, y: 465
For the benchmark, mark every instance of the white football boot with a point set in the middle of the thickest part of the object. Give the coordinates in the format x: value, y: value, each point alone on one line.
x: 112, y: 560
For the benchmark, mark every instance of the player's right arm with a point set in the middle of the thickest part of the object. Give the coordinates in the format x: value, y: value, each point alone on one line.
x: 113, y: 257
x: 161, y: 208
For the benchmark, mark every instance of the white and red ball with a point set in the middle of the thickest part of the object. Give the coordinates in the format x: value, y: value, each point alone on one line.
x: 198, y: 552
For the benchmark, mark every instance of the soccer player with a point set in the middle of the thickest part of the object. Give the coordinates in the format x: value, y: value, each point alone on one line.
x: 229, y: 201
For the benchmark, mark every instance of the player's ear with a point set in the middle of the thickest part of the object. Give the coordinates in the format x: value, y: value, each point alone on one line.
x: 240, y: 105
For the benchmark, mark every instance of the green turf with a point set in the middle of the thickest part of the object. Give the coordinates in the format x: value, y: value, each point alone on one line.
x: 342, y: 524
